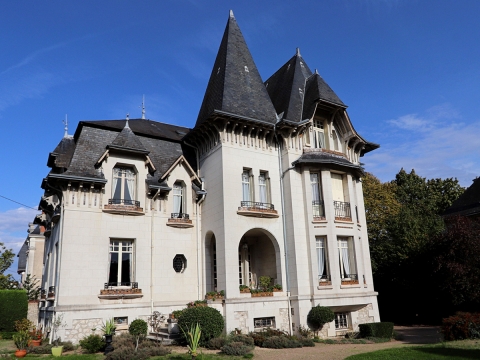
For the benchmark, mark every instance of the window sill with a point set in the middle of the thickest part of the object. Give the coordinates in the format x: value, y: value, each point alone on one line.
x: 319, y: 220
x: 342, y: 220
x: 325, y: 286
x: 256, y: 212
x: 123, y: 209
x: 180, y: 223
x: 120, y: 293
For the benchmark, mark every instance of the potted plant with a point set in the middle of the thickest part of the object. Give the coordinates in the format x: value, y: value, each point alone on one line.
x: 108, y: 331
x: 21, y: 340
x: 57, y: 323
x: 244, y: 289
x: 36, y: 336
x: 277, y: 287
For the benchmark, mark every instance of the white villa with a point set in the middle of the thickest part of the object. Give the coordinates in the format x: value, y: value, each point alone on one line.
x: 143, y: 216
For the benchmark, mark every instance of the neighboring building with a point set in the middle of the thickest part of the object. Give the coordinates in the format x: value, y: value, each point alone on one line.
x: 30, y: 256
x: 468, y: 204
x: 130, y: 228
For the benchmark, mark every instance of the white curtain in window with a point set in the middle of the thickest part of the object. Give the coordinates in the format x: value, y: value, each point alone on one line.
x: 344, y: 256
x: 129, y: 185
x: 263, y: 188
x: 177, y: 198
x: 246, y: 186
x: 321, y: 256
x: 321, y: 140
x: 314, y: 182
x: 116, y: 185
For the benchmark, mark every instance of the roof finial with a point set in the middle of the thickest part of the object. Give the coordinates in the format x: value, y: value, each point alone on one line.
x: 126, y: 122
x: 65, y: 122
x: 316, y: 71
x: 143, y: 107
x: 231, y: 14
x: 298, y: 52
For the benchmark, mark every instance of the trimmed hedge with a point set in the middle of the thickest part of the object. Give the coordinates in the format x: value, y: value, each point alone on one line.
x: 461, y: 326
x: 14, y: 307
x: 210, y: 320
x: 379, y: 330
x: 7, y: 335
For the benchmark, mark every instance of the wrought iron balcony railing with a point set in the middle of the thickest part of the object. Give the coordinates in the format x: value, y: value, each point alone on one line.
x: 350, y: 277
x: 179, y: 216
x: 318, y: 208
x: 342, y: 210
x: 111, y: 285
x: 51, y: 289
x: 257, y: 205
x: 43, y: 294
x: 124, y: 202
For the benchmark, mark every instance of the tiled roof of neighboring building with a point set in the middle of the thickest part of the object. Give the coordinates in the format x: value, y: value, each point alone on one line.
x: 286, y: 88
x: 22, y: 258
x: 468, y: 203
x: 235, y: 85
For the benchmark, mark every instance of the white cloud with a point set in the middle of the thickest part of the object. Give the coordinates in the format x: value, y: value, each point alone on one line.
x: 436, y: 145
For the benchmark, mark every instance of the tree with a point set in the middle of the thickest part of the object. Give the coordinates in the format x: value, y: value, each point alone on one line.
x: 30, y: 285
x: 319, y: 316
x: 6, y: 260
x: 139, y: 329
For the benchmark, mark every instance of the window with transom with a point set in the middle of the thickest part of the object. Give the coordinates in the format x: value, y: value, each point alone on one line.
x: 123, y: 186
x: 318, y: 134
x: 120, y: 263
x: 341, y: 321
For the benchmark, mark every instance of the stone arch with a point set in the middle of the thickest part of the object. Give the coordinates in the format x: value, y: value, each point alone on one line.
x: 258, y: 255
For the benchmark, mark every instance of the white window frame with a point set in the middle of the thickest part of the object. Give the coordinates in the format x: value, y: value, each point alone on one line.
x: 321, y: 249
x: 120, y: 176
x: 124, y: 246
x: 247, y: 186
x: 245, y: 267
x: 346, y: 256
x: 342, y: 321
x: 319, y: 134
x: 264, y: 322
x: 179, y: 202
x: 316, y: 188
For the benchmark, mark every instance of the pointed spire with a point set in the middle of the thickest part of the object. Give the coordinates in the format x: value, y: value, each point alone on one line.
x: 298, y: 52
x: 316, y: 72
x: 65, y: 122
x: 235, y: 85
x: 231, y: 14
x: 126, y: 122
x: 143, y: 107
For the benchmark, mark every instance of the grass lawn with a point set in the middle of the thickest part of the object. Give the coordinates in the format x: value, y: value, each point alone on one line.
x: 458, y: 350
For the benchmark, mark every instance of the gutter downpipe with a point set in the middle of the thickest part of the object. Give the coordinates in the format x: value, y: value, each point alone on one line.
x: 152, y: 209
x: 197, y: 207
x: 282, y: 197
x: 57, y: 260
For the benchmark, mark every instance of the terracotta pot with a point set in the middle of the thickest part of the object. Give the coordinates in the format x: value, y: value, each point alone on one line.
x: 36, y: 342
x: 20, y: 353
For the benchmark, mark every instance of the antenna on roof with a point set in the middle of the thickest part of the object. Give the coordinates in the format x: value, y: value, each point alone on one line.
x: 298, y: 52
x: 65, y: 122
x: 231, y: 14
x: 127, y: 118
x: 143, y: 107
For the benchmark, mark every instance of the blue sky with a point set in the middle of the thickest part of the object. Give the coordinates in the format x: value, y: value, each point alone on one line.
x: 409, y: 71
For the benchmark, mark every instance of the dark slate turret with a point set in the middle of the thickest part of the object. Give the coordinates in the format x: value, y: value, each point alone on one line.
x: 316, y: 89
x: 128, y: 141
x: 286, y: 88
x: 235, y: 86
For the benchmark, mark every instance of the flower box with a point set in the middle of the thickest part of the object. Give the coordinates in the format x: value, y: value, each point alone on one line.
x: 263, y: 293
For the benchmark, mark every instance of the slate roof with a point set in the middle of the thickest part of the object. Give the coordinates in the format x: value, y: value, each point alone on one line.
x: 235, y: 85
x: 22, y: 258
x: 324, y: 157
x: 62, y: 155
x: 162, y: 143
x: 468, y: 203
x: 286, y: 88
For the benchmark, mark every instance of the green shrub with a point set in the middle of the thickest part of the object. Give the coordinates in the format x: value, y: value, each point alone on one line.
x: 216, y: 343
x: 210, y: 320
x: 280, y: 342
x: 236, y: 349
x: 127, y: 354
x: 47, y: 348
x: 92, y: 344
x: 376, y: 330
x: 244, y: 339
x: 7, y: 335
x: 461, y: 326
x: 307, y: 342
x: 258, y: 338
x: 124, y: 349
x: 319, y: 316
x: 14, y: 307
x: 138, y: 329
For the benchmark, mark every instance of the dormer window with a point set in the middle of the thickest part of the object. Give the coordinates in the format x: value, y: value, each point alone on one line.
x: 318, y: 134
x: 123, y: 187
x: 178, y: 199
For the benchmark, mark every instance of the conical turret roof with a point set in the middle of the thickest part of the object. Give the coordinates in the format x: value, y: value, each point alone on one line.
x: 235, y: 85
x: 127, y: 140
x: 316, y: 89
x: 287, y: 86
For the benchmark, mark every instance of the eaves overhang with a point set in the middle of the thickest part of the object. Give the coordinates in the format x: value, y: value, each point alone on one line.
x: 76, y: 178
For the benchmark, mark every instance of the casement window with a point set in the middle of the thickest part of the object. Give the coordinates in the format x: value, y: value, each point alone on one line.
x: 317, y: 201
x: 179, y: 199
x: 318, y: 134
x: 123, y: 186
x: 341, y: 321
x: 346, y: 256
x: 244, y: 266
x: 322, y: 259
x: 264, y: 188
x: 247, y: 186
x: 120, y: 260
x: 266, y: 322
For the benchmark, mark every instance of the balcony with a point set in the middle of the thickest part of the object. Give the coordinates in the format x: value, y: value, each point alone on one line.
x: 124, y: 290
x: 180, y: 220
x: 350, y: 279
x: 43, y: 294
x: 257, y: 209
x: 318, y: 210
x: 324, y: 280
x: 51, y: 292
x: 342, y: 211
x: 123, y: 207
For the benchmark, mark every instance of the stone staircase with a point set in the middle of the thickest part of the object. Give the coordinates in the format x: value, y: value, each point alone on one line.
x: 167, y: 334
